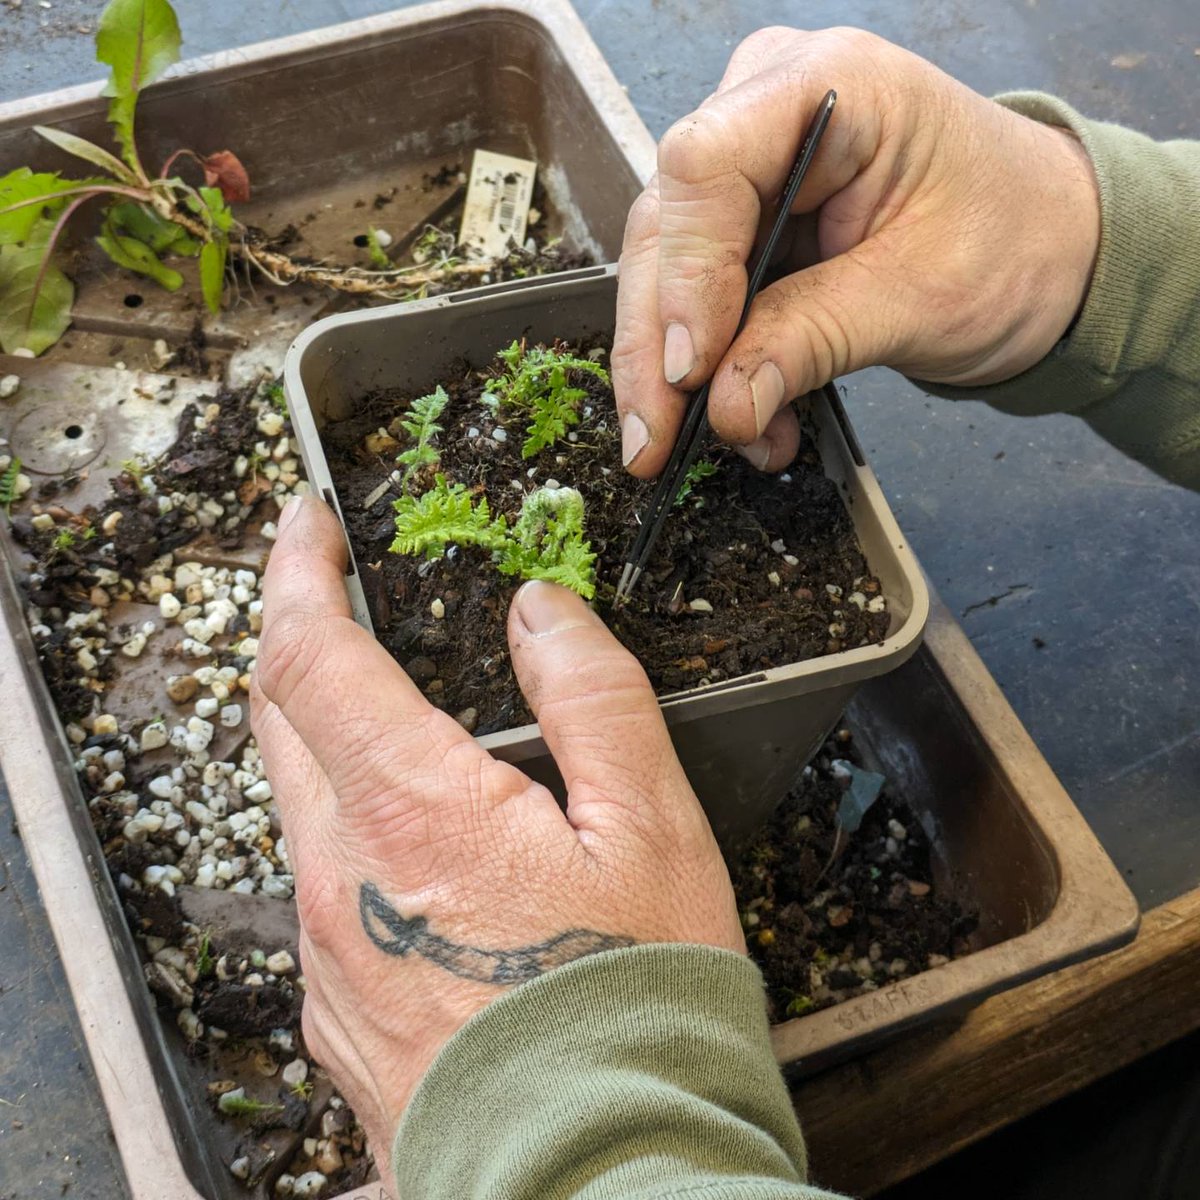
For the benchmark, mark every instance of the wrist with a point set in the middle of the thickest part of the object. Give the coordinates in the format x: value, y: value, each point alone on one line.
x: 1054, y: 255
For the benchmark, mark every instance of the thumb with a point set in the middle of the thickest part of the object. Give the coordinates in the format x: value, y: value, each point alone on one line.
x: 598, y: 714
x: 805, y: 330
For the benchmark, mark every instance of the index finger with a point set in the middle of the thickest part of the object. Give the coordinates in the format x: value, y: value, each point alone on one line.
x: 722, y: 165
x: 363, y: 720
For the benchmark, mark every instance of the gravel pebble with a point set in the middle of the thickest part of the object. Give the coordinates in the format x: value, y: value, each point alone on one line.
x: 258, y: 792
x: 311, y: 1183
x: 154, y: 736
x: 700, y: 606
x: 281, y: 963
x: 181, y: 688
x: 295, y: 1072
x: 104, y: 724
x: 9, y: 385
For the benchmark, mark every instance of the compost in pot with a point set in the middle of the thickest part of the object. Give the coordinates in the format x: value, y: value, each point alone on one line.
x: 752, y: 571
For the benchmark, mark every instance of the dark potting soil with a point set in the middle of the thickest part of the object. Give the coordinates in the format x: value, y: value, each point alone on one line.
x: 829, y: 914
x: 774, y: 556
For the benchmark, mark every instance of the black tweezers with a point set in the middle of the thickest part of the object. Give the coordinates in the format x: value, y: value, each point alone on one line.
x: 695, y: 422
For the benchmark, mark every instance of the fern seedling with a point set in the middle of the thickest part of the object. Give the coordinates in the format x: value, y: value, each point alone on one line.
x: 421, y: 425
x: 536, y: 382
x: 442, y: 516
x: 64, y: 539
x: 545, y: 542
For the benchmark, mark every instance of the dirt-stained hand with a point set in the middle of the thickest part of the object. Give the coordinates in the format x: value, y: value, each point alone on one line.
x: 945, y: 236
x: 431, y: 877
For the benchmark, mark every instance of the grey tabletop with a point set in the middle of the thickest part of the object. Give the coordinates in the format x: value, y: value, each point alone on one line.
x: 1075, y: 571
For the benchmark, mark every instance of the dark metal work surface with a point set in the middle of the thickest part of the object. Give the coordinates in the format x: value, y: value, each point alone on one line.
x: 1029, y: 529
x: 54, y: 1136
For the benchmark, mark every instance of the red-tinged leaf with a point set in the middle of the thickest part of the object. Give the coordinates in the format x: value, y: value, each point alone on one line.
x: 224, y: 170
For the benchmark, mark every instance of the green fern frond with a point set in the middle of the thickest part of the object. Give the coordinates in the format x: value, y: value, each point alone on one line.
x: 421, y: 424
x: 536, y: 382
x: 575, y: 569
x: 442, y: 516
x: 547, y: 542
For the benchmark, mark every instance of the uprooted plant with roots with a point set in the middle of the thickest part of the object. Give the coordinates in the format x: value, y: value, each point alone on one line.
x: 148, y: 218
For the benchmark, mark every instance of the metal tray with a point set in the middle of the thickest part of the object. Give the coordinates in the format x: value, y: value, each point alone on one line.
x: 1008, y: 838
x: 743, y: 741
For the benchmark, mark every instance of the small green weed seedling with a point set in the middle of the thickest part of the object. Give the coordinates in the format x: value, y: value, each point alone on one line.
x: 696, y: 474
x: 238, y: 1104
x: 8, y: 485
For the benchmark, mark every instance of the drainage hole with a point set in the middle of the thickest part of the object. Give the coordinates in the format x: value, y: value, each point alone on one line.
x: 74, y: 431
x: 362, y: 240
x: 133, y: 300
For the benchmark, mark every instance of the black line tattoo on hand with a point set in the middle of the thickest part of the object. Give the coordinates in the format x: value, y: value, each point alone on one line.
x: 471, y: 962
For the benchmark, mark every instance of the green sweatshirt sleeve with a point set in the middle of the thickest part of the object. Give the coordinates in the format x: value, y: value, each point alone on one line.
x: 639, y: 1073
x: 1131, y: 365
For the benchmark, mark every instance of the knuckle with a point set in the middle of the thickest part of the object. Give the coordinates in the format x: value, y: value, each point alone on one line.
x: 858, y: 42
x: 642, y: 223
x: 291, y: 648
x: 762, y: 43
x: 696, y: 149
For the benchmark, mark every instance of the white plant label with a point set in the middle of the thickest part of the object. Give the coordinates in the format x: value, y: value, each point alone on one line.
x: 497, y: 207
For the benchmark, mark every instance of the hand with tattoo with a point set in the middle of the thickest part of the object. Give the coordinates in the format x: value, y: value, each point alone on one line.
x: 430, y: 877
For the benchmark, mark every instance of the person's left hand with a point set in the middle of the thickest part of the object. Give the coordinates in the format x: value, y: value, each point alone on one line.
x: 431, y: 877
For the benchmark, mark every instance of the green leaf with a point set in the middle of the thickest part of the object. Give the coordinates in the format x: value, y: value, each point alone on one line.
x: 88, y: 151
x: 143, y: 223
x: 136, y: 256
x: 138, y: 40
x: 19, y: 192
x: 212, y: 273
x: 35, y: 296
x: 221, y: 213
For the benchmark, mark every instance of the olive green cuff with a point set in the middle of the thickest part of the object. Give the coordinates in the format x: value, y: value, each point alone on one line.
x: 1131, y: 365
x: 640, y: 1072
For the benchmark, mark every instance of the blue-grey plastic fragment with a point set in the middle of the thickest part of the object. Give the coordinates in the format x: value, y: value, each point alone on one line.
x: 863, y: 790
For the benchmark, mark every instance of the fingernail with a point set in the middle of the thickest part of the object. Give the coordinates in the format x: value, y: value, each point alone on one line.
x: 545, y: 608
x: 766, y: 394
x: 757, y: 453
x: 288, y: 512
x: 679, y: 355
x: 634, y: 437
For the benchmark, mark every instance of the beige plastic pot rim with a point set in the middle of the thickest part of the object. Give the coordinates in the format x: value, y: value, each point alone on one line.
x: 759, y: 687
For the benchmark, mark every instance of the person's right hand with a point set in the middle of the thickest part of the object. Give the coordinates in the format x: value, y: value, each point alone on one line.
x: 954, y: 241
